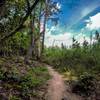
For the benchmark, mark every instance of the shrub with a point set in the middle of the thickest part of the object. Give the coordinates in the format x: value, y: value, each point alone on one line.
x: 85, y: 86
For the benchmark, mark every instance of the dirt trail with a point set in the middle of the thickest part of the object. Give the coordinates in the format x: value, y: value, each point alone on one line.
x: 57, y: 90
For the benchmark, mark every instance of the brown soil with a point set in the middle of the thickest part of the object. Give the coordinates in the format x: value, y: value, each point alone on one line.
x: 57, y: 89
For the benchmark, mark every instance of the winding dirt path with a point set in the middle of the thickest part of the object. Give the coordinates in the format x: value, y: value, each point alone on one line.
x: 56, y: 86
x: 57, y: 90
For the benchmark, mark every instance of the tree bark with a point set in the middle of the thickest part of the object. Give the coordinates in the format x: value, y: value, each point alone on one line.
x: 31, y: 46
x: 2, y: 7
x: 39, y: 42
x: 44, y: 26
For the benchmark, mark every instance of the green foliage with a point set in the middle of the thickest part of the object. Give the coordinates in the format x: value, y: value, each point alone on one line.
x: 23, y: 79
x: 33, y: 79
x: 76, y: 60
x: 12, y: 97
x: 79, y: 65
x: 1, y: 74
x: 15, y: 45
x: 85, y: 86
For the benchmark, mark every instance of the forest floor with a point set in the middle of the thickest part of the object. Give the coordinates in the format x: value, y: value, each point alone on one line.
x: 35, y: 81
x: 57, y: 89
x: 19, y: 81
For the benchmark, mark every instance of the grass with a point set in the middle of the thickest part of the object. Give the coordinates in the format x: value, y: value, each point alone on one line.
x: 80, y: 67
x: 75, y: 60
x: 20, y: 80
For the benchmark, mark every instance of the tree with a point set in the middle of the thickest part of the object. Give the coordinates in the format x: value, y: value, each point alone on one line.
x: 75, y: 43
x: 91, y: 38
x: 50, y: 10
x: 85, y: 44
x: 21, y: 22
x: 97, y: 38
x: 2, y: 7
x: 97, y: 35
x: 25, y: 15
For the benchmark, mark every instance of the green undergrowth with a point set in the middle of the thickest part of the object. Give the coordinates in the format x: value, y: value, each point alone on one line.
x: 79, y: 66
x: 76, y: 61
x: 21, y: 82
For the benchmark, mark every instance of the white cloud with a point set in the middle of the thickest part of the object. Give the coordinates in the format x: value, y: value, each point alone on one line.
x: 80, y: 37
x: 93, y: 22
x: 57, y: 40
x: 85, y: 11
x: 58, y: 6
x: 66, y: 38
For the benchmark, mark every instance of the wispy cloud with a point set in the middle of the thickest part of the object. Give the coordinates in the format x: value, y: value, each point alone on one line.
x: 93, y: 22
x: 84, y: 13
x: 58, y: 6
x: 65, y: 38
x: 58, y: 39
x: 63, y: 33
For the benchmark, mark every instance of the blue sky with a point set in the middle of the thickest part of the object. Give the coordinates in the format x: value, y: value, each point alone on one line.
x: 76, y: 17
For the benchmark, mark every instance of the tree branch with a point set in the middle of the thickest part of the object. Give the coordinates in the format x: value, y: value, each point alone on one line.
x: 22, y: 22
x: 28, y: 4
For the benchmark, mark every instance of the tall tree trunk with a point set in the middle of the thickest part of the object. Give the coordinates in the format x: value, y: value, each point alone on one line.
x: 30, y: 49
x: 2, y: 7
x: 39, y: 41
x: 44, y: 26
x: 37, y: 48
